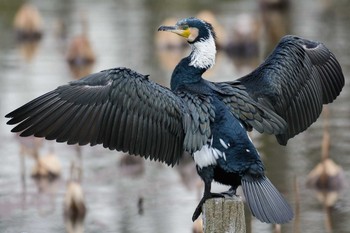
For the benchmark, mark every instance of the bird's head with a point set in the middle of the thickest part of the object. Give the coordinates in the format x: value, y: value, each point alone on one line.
x: 193, y: 29
x: 200, y: 35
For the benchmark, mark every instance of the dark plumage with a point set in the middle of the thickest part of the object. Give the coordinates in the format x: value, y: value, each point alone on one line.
x: 124, y: 110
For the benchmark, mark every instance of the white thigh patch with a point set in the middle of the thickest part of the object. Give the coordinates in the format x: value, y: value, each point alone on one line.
x: 207, y: 156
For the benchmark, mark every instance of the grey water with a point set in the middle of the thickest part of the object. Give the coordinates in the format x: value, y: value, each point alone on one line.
x: 157, y: 198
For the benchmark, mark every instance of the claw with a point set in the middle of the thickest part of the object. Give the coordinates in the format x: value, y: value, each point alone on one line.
x: 231, y: 192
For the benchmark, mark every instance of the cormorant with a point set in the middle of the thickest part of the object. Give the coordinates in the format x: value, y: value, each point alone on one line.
x: 124, y: 110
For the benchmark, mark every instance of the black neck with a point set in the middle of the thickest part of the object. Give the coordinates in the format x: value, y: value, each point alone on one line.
x: 184, y: 74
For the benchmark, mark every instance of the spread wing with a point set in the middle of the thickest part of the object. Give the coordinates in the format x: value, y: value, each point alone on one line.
x: 118, y: 108
x: 294, y: 82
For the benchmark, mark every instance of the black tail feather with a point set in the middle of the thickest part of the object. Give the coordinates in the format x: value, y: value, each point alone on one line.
x: 265, y: 201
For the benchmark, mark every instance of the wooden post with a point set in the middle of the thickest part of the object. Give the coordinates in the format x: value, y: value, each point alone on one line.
x: 224, y: 215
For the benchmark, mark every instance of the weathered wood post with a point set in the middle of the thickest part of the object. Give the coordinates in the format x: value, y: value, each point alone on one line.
x: 224, y: 215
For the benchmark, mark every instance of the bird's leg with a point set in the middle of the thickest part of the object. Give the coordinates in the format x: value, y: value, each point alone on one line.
x: 207, y: 177
x: 207, y: 194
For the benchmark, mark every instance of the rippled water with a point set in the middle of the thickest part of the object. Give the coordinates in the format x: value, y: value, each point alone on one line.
x: 122, y: 33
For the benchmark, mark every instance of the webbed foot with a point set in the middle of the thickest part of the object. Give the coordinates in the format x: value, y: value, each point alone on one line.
x: 231, y: 192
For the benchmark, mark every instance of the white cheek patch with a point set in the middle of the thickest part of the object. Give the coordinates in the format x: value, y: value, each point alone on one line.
x: 207, y: 156
x: 193, y: 34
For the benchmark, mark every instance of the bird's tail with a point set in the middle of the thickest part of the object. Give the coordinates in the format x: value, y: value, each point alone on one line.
x: 265, y: 201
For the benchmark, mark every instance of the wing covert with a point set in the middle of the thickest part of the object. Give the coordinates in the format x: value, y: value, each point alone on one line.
x: 249, y: 111
x: 119, y: 108
x: 200, y: 113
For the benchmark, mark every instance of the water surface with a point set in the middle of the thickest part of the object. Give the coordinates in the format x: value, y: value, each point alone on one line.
x: 122, y: 33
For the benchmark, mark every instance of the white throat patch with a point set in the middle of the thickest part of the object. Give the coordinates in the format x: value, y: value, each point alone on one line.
x: 203, y: 53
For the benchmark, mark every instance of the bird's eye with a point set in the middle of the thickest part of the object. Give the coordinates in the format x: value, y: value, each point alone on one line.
x: 185, y: 27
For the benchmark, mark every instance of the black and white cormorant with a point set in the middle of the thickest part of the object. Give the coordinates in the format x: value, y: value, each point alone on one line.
x: 125, y: 111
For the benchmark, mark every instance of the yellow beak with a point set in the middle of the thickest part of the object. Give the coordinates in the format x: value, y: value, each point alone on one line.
x: 174, y: 29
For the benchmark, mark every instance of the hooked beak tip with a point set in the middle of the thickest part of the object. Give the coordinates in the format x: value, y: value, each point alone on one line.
x: 166, y: 28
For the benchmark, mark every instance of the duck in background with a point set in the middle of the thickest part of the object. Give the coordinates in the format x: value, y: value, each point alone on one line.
x: 327, y: 178
x: 244, y: 37
x: 28, y: 23
x: 74, y: 202
x: 80, y: 55
x: 47, y: 166
x: 28, y: 27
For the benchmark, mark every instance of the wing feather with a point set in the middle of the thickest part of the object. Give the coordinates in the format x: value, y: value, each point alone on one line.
x: 293, y: 82
x: 45, y: 126
x: 63, y: 133
x: 249, y: 111
x: 64, y: 119
x: 118, y: 108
